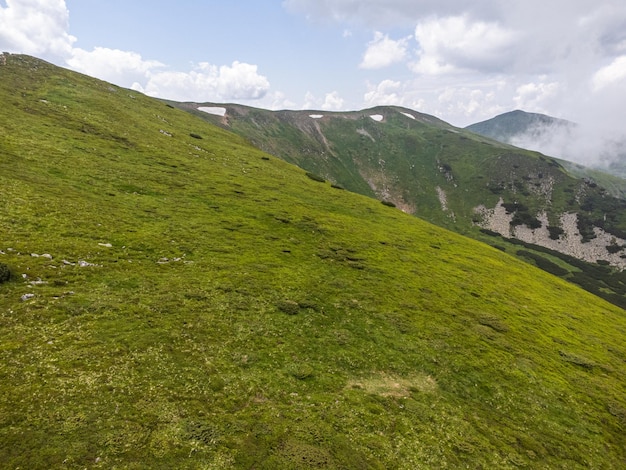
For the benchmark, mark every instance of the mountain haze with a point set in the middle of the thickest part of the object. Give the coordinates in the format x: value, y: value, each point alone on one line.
x: 579, y: 145
x: 510, y: 127
x: 180, y: 299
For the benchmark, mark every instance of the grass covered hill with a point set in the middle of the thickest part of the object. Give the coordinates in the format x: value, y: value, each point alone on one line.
x: 423, y: 165
x: 508, y: 126
x: 179, y: 299
x: 456, y: 179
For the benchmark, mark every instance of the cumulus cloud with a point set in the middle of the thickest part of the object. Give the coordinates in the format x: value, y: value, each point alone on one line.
x: 385, y: 13
x: 382, y: 52
x: 113, y: 65
x: 41, y: 28
x: 457, y: 42
x: 611, y: 74
x: 208, y: 82
x: 38, y: 27
x: 333, y: 102
x: 385, y: 93
x: 536, y: 96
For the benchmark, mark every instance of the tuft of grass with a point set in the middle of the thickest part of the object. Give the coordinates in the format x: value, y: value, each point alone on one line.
x: 5, y: 273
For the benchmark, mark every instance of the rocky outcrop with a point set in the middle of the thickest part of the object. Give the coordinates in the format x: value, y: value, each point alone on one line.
x: 569, y: 242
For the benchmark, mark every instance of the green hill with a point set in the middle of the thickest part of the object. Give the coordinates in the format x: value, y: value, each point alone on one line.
x: 518, y: 127
x: 508, y: 126
x: 179, y: 299
x: 454, y: 178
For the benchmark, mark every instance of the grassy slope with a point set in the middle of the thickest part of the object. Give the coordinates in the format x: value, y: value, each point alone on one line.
x: 409, y: 161
x: 293, y: 325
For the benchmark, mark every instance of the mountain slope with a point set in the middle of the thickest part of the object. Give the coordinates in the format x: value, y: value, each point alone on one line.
x: 565, y: 139
x: 453, y: 178
x: 509, y: 126
x: 429, y: 168
x: 180, y: 299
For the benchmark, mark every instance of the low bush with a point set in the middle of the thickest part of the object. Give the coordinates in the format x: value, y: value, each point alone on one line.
x: 288, y: 306
x: 388, y: 203
x: 5, y: 273
x: 543, y: 263
x: 555, y: 232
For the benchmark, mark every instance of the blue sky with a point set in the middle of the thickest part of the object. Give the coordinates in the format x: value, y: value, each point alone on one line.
x: 460, y: 60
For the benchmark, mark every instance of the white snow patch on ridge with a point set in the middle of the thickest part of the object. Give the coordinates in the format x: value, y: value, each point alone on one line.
x: 213, y: 110
x: 377, y: 117
x: 316, y: 116
x: 409, y: 115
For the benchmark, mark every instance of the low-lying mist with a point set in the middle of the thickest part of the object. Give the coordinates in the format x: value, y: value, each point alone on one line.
x: 586, y: 145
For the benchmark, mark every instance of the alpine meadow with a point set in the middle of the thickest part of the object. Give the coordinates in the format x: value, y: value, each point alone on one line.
x: 173, y: 297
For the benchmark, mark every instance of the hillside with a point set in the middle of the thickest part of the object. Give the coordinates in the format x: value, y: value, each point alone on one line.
x: 180, y: 299
x: 510, y: 126
x: 565, y: 139
x: 454, y: 178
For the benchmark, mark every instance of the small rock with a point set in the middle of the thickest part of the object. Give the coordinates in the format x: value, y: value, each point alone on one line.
x: 47, y: 255
x: 34, y: 255
x: 68, y: 263
x: 84, y: 264
x: 106, y: 245
x: 26, y: 297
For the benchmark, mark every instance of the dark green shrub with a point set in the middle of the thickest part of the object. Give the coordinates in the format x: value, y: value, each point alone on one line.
x: 543, y: 263
x: 336, y: 186
x: 315, y: 177
x: 388, y: 203
x: 288, y: 306
x: 491, y: 233
x: 265, y: 158
x: 524, y: 218
x: 195, y: 136
x: 511, y: 207
x: 5, y: 273
x: 555, y: 232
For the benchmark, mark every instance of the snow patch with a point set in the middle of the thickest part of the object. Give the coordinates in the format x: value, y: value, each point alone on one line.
x: 377, y: 117
x: 409, y: 116
x: 316, y: 116
x: 217, y: 111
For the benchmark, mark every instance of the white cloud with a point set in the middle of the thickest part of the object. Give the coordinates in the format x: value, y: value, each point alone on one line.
x: 37, y: 27
x: 385, y: 93
x: 113, y: 65
x: 384, y: 13
x: 467, y: 104
x: 40, y: 27
x: 611, y: 74
x: 333, y: 102
x: 456, y: 43
x: 207, y: 82
x: 536, y: 96
x: 382, y: 52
